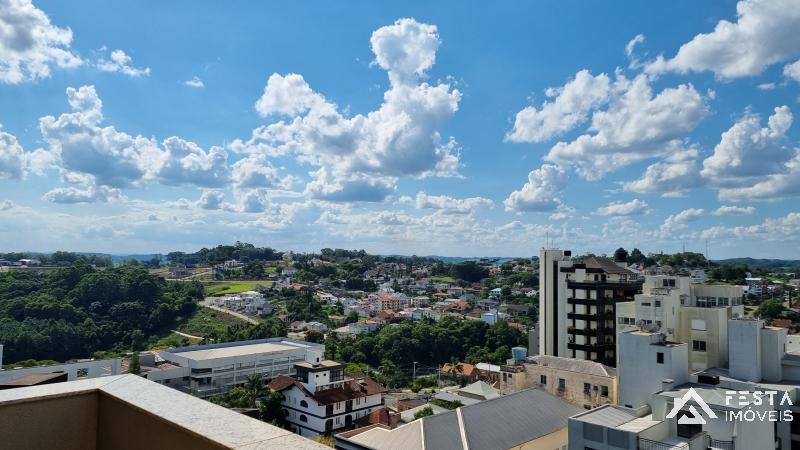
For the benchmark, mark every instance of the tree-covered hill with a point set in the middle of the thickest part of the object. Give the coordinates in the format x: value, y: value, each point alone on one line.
x: 75, y: 311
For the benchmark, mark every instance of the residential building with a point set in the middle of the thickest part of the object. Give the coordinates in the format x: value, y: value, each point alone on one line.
x: 696, y: 314
x: 530, y: 419
x: 489, y: 317
x: 461, y: 370
x: 654, y: 380
x: 586, y: 384
x: 755, y: 286
x: 321, y: 399
x: 128, y: 412
x: 577, y: 305
x: 204, y: 370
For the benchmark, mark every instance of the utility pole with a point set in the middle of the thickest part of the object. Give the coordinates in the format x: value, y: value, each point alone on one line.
x: 414, y: 373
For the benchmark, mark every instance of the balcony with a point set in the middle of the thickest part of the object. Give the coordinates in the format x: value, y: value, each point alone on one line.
x: 597, y: 347
x: 582, y: 331
x: 605, y: 315
x: 126, y: 412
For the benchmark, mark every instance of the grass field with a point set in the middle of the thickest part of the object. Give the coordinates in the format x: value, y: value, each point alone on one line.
x: 229, y: 287
x: 442, y: 279
x: 205, y: 321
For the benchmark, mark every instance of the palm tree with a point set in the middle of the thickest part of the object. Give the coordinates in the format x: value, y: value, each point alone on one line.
x: 255, y: 385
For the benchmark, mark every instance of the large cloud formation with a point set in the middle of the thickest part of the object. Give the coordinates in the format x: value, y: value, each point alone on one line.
x: 361, y: 158
x: 30, y: 44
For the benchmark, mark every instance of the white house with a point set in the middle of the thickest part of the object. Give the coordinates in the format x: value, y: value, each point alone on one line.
x: 321, y: 399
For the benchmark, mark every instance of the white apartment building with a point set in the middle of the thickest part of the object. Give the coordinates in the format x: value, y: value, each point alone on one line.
x: 204, y: 370
x: 577, y: 304
x: 696, y: 314
x: 654, y: 381
x: 321, y: 399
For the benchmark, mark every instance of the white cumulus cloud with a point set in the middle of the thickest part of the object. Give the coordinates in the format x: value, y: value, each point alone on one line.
x: 30, y: 45
x: 569, y: 107
x: 121, y: 62
x: 541, y: 191
x: 630, y: 208
x: 764, y: 33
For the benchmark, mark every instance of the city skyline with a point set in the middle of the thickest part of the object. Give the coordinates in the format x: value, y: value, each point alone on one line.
x: 411, y: 129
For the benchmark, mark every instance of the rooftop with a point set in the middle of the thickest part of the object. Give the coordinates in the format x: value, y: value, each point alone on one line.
x: 503, y: 422
x: 573, y: 365
x: 239, y: 350
x: 100, y: 413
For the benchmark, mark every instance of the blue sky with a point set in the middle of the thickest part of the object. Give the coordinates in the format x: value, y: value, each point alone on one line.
x: 454, y: 128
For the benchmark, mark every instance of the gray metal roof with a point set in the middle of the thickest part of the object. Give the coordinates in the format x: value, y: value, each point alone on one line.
x: 608, y: 416
x: 514, y: 419
x: 574, y: 365
x: 442, y: 432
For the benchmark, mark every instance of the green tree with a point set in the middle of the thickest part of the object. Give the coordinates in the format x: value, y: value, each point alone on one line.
x: 769, y: 310
x: 134, y: 366
x: 424, y: 412
x: 620, y: 255
x: 315, y: 336
x: 271, y: 409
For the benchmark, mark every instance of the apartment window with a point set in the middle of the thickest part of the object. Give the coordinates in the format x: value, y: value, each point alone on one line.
x: 303, y: 418
x: 699, y: 346
x: 604, y: 391
x: 645, y: 303
x: 723, y: 301
x: 562, y: 384
x: 660, y: 358
x: 587, y: 388
x: 543, y: 380
x: 304, y: 403
x: 658, y: 303
x: 668, y: 282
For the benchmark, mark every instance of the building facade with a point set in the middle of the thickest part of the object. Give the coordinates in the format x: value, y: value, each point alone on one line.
x: 205, y: 370
x: 586, y: 384
x: 321, y: 399
x: 696, y: 314
x: 577, y: 305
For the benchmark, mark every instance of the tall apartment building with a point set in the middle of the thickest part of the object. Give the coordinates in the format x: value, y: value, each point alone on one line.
x: 696, y: 314
x: 577, y: 305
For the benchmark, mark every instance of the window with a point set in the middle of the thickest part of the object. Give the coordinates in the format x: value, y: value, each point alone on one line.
x: 587, y: 388
x: 303, y: 418
x: 645, y: 303
x: 658, y: 303
x: 604, y: 391
x: 698, y: 324
x: 660, y: 358
x: 543, y: 380
x: 304, y: 403
x: 699, y: 346
x: 668, y: 282
x: 593, y: 432
x: 562, y: 384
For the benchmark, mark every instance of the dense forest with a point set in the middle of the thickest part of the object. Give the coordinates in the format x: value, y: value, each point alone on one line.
x: 239, y: 251
x: 75, y: 311
x: 61, y: 258
x: 396, y: 347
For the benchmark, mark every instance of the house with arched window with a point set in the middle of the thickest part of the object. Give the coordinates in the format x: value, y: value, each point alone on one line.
x: 321, y: 399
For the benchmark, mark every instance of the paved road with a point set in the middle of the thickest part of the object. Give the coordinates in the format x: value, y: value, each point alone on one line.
x: 190, y: 336
x: 207, y: 304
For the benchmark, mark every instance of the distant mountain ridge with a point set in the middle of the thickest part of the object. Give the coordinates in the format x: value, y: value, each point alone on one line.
x: 756, y: 263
